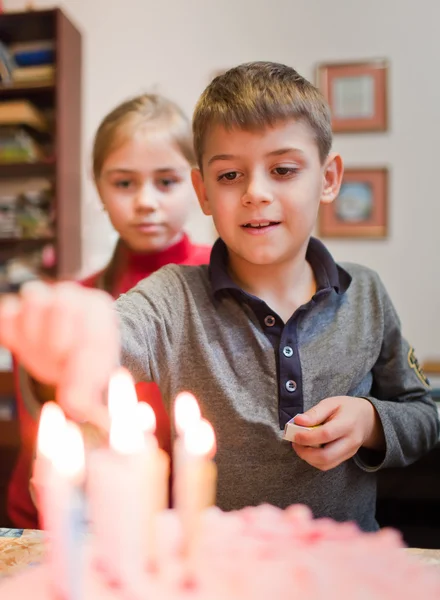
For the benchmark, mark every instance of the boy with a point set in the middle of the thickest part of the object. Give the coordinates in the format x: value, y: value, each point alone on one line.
x: 271, y: 329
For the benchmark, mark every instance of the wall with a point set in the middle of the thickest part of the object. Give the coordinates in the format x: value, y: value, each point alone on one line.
x: 173, y: 47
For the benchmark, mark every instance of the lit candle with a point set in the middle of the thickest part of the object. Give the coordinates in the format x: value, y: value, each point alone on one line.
x: 156, y: 481
x: 50, y: 435
x: 186, y: 414
x: 198, y: 481
x: 118, y: 490
x: 63, y: 502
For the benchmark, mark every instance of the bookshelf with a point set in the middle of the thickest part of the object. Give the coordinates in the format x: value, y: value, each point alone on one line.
x: 58, y: 98
x: 61, y: 99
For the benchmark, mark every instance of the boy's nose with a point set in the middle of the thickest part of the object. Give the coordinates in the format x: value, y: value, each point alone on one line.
x: 256, y: 192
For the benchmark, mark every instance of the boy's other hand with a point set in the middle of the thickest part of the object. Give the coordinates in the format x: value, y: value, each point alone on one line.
x: 346, y: 424
x: 67, y: 336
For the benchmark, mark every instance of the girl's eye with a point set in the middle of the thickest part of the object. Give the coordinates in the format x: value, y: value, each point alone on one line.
x: 167, y: 182
x: 230, y: 176
x: 123, y: 184
x: 283, y: 171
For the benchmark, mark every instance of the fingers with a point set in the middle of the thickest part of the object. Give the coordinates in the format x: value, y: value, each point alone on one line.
x: 90, y: 362
x: 331, y: 430
x: 328, y: 457
x: 67, y: 336
x: 62, y: 320
x: 36, y: 299
x: 345, y: 419
x: 319, y: 413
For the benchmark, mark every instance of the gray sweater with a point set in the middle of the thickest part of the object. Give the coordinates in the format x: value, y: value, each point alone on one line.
x: 184, y: 331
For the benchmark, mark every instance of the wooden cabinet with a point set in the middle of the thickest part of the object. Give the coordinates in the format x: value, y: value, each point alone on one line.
x: 56, y: 96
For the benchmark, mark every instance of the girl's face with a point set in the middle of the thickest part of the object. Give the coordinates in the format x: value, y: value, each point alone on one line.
x: 145, y: 186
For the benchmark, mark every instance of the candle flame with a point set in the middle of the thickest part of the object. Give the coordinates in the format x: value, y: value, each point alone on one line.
x: 126, y: 435
x: 186, y: 412
x: 200, y: 439
x: 146, y: 417
x: 50, y: 430
x: 69, y: 460
x: 121, y: 393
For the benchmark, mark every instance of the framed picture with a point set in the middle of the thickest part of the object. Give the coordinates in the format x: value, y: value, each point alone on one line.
x: 360, y: 210
x: 357, y: 95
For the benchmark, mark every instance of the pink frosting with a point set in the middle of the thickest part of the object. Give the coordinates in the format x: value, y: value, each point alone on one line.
x: 259, y: 554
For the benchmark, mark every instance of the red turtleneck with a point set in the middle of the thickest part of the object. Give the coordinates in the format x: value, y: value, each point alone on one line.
x: 129, y: 269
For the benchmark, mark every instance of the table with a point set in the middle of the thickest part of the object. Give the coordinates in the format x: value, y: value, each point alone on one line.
x: 20, y: 548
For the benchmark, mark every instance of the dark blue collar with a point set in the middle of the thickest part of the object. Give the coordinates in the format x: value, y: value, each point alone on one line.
x: 328, y: 274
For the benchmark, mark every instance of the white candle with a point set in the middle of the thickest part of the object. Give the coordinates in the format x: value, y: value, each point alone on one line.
x: 63, y: 502
x: 186, y: 414
x: 50, y: 435
x: 118, y: 489
x: 198, y: 480
x: 156, y: 482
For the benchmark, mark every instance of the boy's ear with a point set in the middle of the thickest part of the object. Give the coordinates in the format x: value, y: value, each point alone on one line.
x: 333, y: 172
x: 200, y: 189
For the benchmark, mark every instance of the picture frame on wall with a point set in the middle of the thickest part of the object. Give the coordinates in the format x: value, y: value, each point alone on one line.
x: 361, y: 208
x: 357, y: 95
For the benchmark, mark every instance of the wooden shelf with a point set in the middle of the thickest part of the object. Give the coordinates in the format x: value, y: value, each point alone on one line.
x: 26, y: 241
x: 27, y: 26
x: 15, y: 247
x: 26, y: 169
x: 6, y: 383
x: 431, y: 367
x: 36, y: 88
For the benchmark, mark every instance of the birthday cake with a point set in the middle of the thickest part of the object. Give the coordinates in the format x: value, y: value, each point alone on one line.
x: 135, y: 548
x: 258, y: 553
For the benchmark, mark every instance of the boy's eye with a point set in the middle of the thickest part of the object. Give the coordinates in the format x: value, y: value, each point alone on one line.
x: 283, y: 171
x: 230, y: 176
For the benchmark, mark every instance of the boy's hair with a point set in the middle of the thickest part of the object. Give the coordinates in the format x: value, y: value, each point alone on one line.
x: 256, y: 95
x: 133, y: 116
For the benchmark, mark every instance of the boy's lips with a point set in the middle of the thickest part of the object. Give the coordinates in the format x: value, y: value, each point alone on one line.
x: 259, y: 226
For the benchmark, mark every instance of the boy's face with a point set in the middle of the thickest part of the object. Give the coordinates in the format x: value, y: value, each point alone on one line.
x: 263, y: 189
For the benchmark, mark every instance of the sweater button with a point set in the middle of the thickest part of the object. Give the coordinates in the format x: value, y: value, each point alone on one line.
x: 290, y: 385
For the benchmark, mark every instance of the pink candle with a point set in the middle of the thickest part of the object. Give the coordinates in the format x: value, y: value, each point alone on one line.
x: 156, y: 482
x: 186, y: 414
x: 197, y: 483
x: 61, y: 475
x: 50, y: 435
x: 118, y: 483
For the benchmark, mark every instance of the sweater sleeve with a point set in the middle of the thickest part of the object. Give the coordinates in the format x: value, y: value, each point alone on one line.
x: 401, y: 396
x: 151, y: 318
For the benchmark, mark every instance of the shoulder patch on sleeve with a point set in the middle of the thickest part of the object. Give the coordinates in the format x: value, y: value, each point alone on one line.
x: 414, y: 364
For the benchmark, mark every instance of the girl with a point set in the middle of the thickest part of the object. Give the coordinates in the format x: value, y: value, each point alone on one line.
x: 142, y: 160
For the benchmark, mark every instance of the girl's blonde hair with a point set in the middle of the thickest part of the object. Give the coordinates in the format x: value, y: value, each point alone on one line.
x: 149, y: 111
x: 141, y: 112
